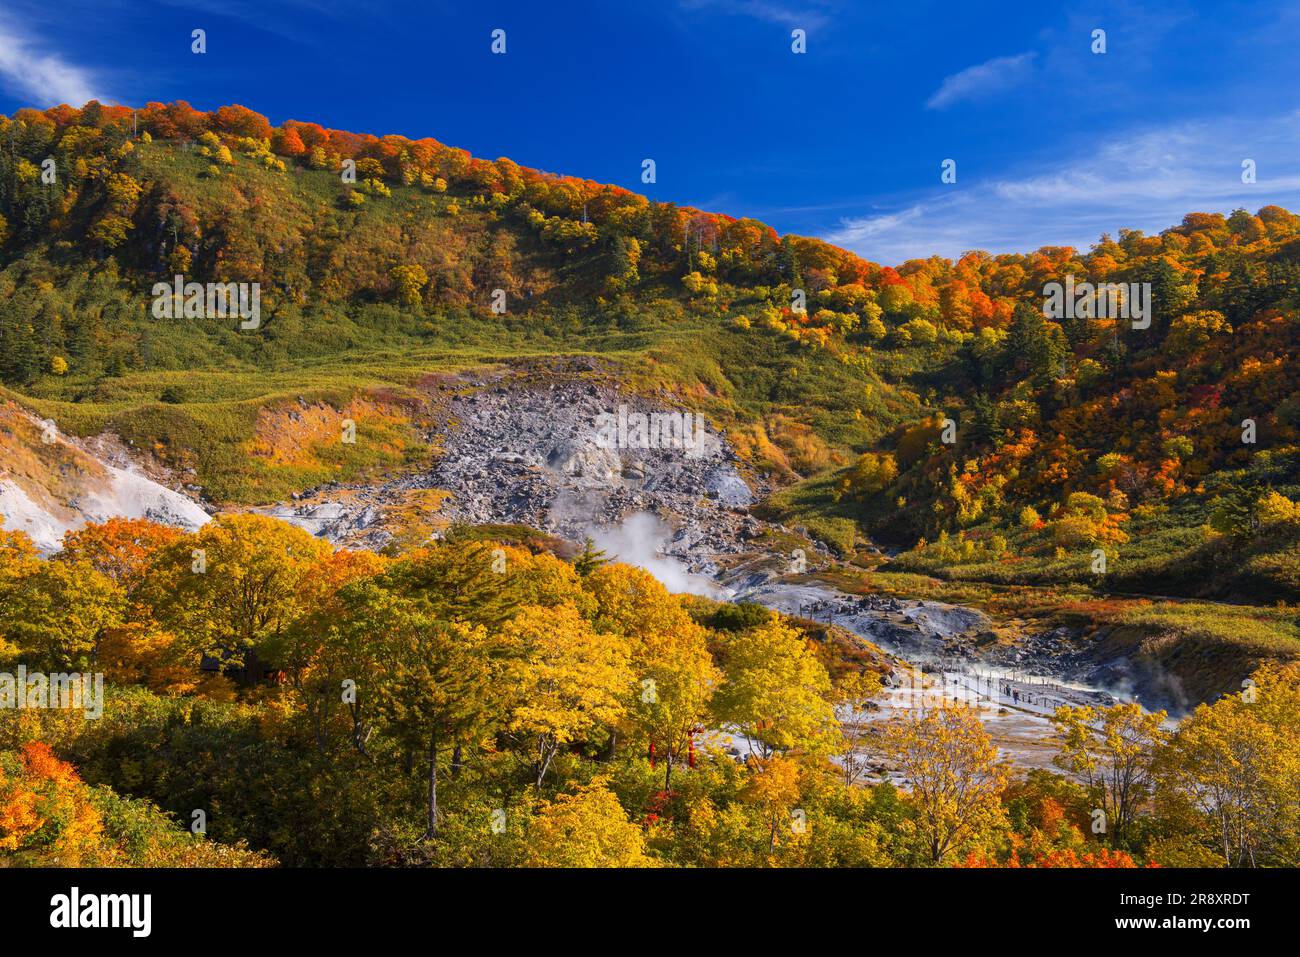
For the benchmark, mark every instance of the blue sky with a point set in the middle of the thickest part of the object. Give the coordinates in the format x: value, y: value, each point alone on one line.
x: 1054, y: 144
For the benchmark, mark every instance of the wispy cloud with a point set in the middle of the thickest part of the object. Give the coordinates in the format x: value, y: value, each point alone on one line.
x: 808, y: 15
x: 289, y: 19
x: 983, y: 79
x: 43, y: 77
x: 1147, y: 180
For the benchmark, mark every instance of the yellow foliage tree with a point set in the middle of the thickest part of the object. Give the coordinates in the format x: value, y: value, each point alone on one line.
x: 671, y: 663
x: 773, y: 787
x: 570, y: 680
x: 1237, y: 762
x: 233, y: 585
x: 586, y: 829
x: 956, y: 780
x: 776, y: 692
x: 410, y: 280
x: 1112, y: 751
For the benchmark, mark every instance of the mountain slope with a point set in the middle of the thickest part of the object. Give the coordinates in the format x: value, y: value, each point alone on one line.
x: 1070, y: 436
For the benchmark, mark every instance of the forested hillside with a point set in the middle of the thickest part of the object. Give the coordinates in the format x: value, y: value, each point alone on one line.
x: 1083, y: 432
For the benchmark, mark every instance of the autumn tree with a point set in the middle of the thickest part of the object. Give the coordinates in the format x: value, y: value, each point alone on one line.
x: 776, y: 692
x: 61, y: 615
x: 45, y: 813
x: 287, y: 142
x: 852, y: 696
x: 569, y: 680
x: 951, y: 766
x: 870, y: 475
x: 1084, y: 521
x: 588, y: 828
x: 1193, y: 331
x: 120, y: 548
x: 543, y: 579
x: 241, y: 121
x: 772, y: 786
x: 410, y: 279
x: 1112, y: 751
x: 233, y: 585
x: 329, y: 654
x: 671, y: 664
x: 1237, y: 763
x: 18, y: 562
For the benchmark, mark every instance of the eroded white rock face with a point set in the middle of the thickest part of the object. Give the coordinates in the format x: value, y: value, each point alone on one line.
x: 125, y: 495
x: 132, y: 495
x: 59, y: 487
x: 18, y: 513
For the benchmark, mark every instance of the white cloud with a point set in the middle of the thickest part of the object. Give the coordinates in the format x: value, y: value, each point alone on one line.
x: 44, y: 78
x: 811, y: 15
x: 1146, y: 180
x: 981, y: 80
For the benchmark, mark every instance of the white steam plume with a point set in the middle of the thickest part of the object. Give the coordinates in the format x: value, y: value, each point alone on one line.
x: 639, y: 541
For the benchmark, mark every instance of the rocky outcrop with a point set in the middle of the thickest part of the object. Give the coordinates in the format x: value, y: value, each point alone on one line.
x: 563, y: 454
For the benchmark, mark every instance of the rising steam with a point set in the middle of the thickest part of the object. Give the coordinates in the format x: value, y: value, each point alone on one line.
x: 639, y: 540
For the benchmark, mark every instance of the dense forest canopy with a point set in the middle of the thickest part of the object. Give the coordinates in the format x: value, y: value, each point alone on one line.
x: 474, y: 704
x: 112, y: 197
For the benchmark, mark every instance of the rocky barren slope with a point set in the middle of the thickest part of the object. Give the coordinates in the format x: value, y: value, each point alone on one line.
x: 534, y: 451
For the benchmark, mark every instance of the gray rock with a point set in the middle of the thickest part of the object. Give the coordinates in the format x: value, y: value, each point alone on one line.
x: 728, y: 488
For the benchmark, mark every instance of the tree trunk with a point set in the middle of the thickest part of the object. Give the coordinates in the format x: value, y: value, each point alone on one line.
x: 360, y: 735
x: 545, y: 752
x: 668, y: 772
x: 432, y: 830
x: 320, y: 722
